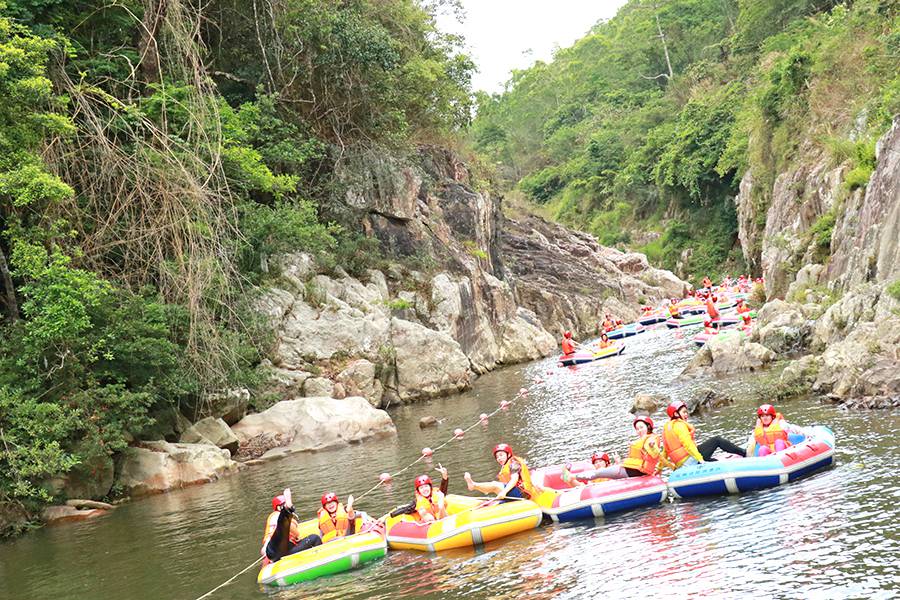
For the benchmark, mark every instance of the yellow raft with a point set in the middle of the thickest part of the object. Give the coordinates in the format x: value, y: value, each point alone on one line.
x: 337, y: 556
x: 471, y: 521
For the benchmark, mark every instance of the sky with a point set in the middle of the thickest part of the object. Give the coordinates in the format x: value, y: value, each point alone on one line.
x: 503, y: 35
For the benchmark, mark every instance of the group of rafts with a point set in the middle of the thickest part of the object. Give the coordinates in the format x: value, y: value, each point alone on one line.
x: 522, y: 498
x: 720, y: 310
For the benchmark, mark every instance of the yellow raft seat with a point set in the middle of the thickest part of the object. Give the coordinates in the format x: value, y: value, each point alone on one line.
x: 470, y: 522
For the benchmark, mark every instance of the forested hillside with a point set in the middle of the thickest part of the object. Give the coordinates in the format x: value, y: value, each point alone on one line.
x: 153, y: 155
x: 641, y: 132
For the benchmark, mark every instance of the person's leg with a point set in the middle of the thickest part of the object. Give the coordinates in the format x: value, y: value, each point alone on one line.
x: 611, y: 472
x: 310, y: 541
x: 780, y: 445
x: 634, y: 472
x: 486, y: 487
x: 763, y: 451
x: 280, y: 542
x: 708, y: 447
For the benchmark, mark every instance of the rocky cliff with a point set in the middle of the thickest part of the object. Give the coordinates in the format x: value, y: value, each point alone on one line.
x: 843, y: 299
x: 469, y: 289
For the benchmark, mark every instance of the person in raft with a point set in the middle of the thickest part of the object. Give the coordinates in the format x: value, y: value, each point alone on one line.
x: 679, y: 444
x: 743, y: 311
x: 568, y: 344
x: 430, y: 503
x: 335, y: 521
x: 674, y: 312
x: 771, y: 432
x: 281, y: 537
x: 708, y: 327
x: 513, y: 480
x: 608, y: 323
x: 604, y: 341
x: 707, y: 283
x: 412, y: 508
x: 602, y: 471
x: 711, y: 309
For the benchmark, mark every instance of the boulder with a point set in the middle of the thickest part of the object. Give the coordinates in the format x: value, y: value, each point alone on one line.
x: 428, y: 421
x: 872, y: 403
x: 212, y: 431
x: 856, y: 306
x: 807, y: 277
x: 157, y: 467
x: 727, y: 354
x: 316, y: 423
x: 59, y: 514
x: 90, y: 479
x: 228, y: 405
x: 284, y: 383
x: 338, y: 392
x: 782, y: 327
x: 318, y: 387
x: 801, y: 374
x: 865, y: 363
x: 428, y: 363
x: 707, y: 399
x: 13, y: 519
x: 649, y: 403
x: 82, y: 504
x: 358, y: 379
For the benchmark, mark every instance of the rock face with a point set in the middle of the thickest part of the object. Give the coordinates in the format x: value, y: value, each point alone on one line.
x: 498, y: 291
x: 157, y: 467
x: 316, y: 423
x: 211, y: 431
x: 569, y: 280
x: 782, y: 327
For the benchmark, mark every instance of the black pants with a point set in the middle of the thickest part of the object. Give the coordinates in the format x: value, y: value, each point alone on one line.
x: 634, y: 472
x: 280, y: 544
x: 714, y: 443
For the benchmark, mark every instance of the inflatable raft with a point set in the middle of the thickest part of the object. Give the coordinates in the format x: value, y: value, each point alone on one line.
x: 563, y: 503
x: 337, y: 556
x: 686, y: 321
x: 653, y: 318
x: 625, y: 331
x: 734, y: 475
x: 580, y: 358
x: 471, y: 521
x: 701, y: 338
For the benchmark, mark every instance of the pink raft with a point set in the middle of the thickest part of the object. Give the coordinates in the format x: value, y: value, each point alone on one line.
x: 596, y: 499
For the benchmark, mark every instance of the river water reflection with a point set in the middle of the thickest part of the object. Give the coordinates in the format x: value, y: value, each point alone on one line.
x: 834, y: 534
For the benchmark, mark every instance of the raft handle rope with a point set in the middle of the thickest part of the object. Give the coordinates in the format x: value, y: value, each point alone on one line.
x: 504, y: 405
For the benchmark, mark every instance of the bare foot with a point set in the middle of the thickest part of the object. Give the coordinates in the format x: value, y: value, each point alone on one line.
x: 469, y: 483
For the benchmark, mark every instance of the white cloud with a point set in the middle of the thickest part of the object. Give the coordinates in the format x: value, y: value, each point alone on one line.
x: 503, y: 35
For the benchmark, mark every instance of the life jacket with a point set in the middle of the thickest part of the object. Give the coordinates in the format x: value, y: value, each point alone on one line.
x: 766, y: 436
x: 524, y: 484
x: 433, y: 505
x: 272, y: 524
x: 605, y: 344
x: 673, y: 310
x: 743, y: 308
x: 568, y: 347
x: 642, y: 459
x: 675, y: 450
x: 607, y: 325
x: 333, y: 527
x: 711, y: 309
x: 707, y: 282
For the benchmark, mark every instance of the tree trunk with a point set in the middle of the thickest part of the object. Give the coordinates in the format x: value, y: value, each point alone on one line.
x: 12, y: 307
x: 662, y: 38
x: 154, y: 15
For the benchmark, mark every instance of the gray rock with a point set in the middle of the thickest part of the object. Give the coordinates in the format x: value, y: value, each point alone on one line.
x: 157, y: 467
x: 317, y: 423
x: 358, y: 379
x: 782, y: 327
x: 339, y: 393
x: 649, y: 403
x: 211, y: 431
x: 59, y: 514
x: 428, y: 421
x: 428, y: 363
x: 708, y: 399
x: 317, y: 387
x: 91, y: 479
x: 228, y: 405
x: 727, y: 354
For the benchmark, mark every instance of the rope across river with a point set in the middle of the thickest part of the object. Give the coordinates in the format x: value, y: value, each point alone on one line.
x: 457, y: 435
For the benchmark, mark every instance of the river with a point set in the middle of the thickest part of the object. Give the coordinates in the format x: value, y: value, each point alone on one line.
x: 833, y: 534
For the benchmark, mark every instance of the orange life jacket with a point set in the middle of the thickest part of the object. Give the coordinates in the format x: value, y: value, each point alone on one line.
x: 711, y: 309
x: 434, y: 506
x: 272, y: 524
x: 568, y: 347
x: 333, y: 527
x: 766, y: 436
x: 608, y: 325
x: 675, y: 450
x: 605, y: 344
x: 673, y: 310
x: 643, y: 454
x: 743, y: 308
x: 524, y: 484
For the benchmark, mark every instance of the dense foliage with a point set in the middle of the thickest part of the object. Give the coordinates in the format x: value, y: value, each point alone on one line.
x: 642, y: 130
x: 153, y: 156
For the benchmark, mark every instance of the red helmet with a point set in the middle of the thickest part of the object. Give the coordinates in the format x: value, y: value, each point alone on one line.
x: 740, y: 300
x: 503, y: 448
x: 646, y: 420
x: 707, y: 323
x: 567, y: 334
x: 278, y: 501
x: 422, y: 480
x: 766, y: 409
x: 672, y: 300
x: 595, y: 457
x: 674, y: 407
x: 329, y: 497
